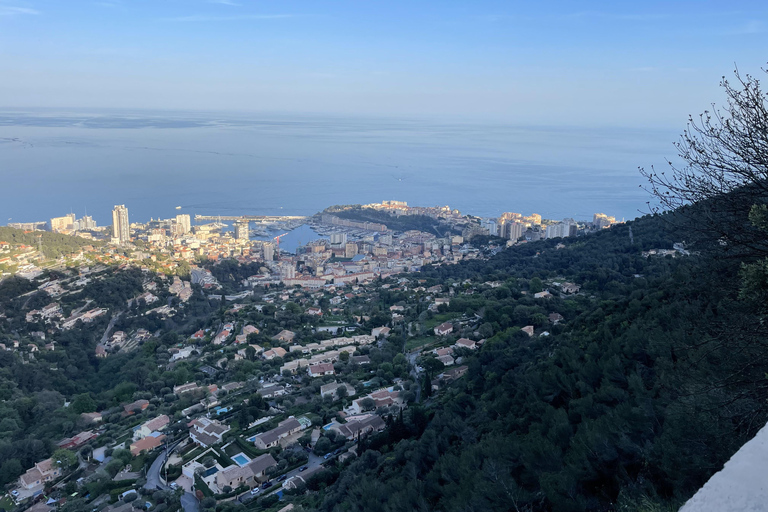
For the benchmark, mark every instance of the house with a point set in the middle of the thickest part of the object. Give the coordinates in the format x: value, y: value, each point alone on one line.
x: 528, y: 329
x: 272, y: 437
x: 206, y: 432
x: 351, y: 429
x: 380, y: 331
x: 444, y: 329
x: 185, y: 388
x: 360, y: 360
x: 446, y: 360
x: 182, y: 353
x: 570, y: 288
x: 273, y: 353
x: 271, y: 391
x: 198, y: 336
x: 285, y: 336
x: 381, y: 398
x: 249, y: 474
x: 78, y: 440
x: 221, y: 337
x: 150, y: 426
x: 542, y: 295
x: 315, y: 311
x: 91, y: 417
x: 147, y: 444
x: 447, y: 351
x: 101, y: 351
x: 137, y: 406
x: 465, y: 343
x: 555, y: 318
x: 449, y: 375
x: 332, y: 390
x: 249, y: 329
x: 318, y: 370
x: 44, y: 471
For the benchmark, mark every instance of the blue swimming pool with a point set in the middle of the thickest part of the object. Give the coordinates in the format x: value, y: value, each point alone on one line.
x: 241, y: 459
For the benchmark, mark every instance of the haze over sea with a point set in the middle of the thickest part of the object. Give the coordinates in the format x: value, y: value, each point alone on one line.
x: 52, y: 162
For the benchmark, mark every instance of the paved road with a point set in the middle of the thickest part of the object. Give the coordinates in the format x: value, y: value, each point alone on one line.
x: 188, y: 500
x: 153, y: 475
x: 112, y: 321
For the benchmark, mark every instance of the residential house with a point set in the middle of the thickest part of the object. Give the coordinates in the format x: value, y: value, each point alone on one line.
x: 44, y: 471
x: 555, y: 318
x: 91, y: 417
x: 249, y: 474
x: 147, y: 444
x: 271, y: 391
x: 207, y: 432
x: 150, y: 426
x: 444, y: 329
x: 447, y: 360
x: 318, y: 370
x: 332, y: 389
x: 380, y: 331
x: 285, y: 336
x: 465, y: 343
x: 273, y: 353
x: 137, y: 406
x: 360, y: 360
x: 78, y: 439
x: 272, y: 437
x: 570, y: 288
x: 528, y: 329
x: 351, y: 429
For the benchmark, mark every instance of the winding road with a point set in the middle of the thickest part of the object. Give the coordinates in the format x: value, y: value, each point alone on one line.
x: 188, y: 500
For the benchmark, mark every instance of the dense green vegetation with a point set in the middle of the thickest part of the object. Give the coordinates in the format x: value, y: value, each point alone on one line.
x: 53, y: 245
x: 651, y: 383
x: 395, y: 223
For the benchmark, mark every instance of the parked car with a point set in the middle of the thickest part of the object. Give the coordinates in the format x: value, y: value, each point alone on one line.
x: 266, y: 485
x: 255, y: 490
x: 303, y: 468
x: 337, y: 451
x: 327, y: 455
x: 15, y: 492
x: 281, y: 478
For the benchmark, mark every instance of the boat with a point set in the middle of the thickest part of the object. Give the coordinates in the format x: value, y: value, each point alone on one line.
x: 178, y: 207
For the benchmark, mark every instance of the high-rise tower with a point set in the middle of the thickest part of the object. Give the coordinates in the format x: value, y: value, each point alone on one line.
x: 120, y: 227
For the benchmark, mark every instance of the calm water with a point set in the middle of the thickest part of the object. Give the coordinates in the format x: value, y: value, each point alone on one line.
x: 52, y: 162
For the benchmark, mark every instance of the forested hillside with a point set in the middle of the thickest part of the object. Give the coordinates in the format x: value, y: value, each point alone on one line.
x: 654, y: 379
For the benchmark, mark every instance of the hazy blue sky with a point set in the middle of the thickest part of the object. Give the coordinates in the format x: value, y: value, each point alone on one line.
x: 619, y: 63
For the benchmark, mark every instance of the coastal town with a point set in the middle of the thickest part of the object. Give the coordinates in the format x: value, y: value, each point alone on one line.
x: 346, y: 249
x: 268, y: 371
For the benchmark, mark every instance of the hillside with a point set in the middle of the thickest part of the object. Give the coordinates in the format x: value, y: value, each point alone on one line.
x: 631, y: 403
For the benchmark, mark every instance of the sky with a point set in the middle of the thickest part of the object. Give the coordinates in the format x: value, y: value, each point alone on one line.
x: 648, y: 64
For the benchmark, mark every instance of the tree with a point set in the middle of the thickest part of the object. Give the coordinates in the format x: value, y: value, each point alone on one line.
x: 64, y: 459
x: 725, y: 173
x: 368, y: 404
x: 83, y: 403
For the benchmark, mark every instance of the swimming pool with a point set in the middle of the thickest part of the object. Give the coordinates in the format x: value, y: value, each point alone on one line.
x: 241, y: 459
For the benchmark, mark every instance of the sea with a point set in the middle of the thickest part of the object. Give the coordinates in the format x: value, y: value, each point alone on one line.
x: 54, y: 162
